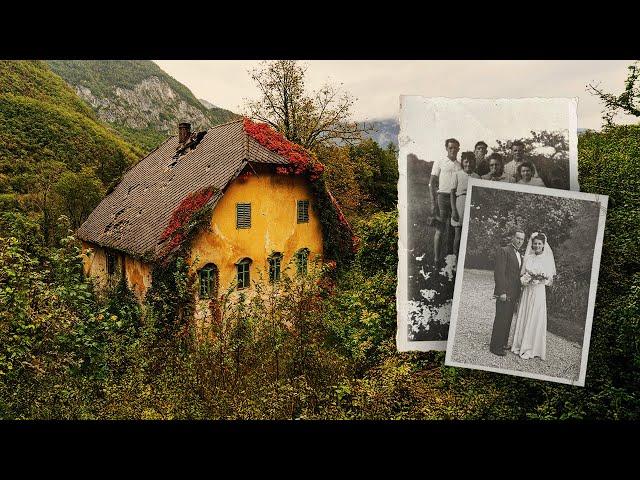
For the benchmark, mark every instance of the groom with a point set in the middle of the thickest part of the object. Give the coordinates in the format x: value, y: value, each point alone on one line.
x: 507, y: 278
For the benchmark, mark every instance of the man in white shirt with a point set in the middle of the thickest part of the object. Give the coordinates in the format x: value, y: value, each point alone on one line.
x: 511, y: 168
x: 440, y: 185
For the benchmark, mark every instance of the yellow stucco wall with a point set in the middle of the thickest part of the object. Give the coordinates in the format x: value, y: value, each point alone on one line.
x: 138, y: 273
x: 94, y: 261
x: 138, y: 276
x: 274, y: 227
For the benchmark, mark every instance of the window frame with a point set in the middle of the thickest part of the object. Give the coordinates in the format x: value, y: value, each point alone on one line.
x: 111, y: 259
x: 275, y: 266
x: 211, y: 281
x: 240, y: 226
x: 302, y: 211
x: 245, y: 264
x: 302, y: 253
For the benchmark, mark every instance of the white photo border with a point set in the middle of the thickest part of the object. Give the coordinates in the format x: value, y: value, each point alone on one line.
x: 403, y: 344
x: 593, y: 287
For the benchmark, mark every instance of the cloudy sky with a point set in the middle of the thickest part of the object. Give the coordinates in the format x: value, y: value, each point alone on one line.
x: 377, y: 85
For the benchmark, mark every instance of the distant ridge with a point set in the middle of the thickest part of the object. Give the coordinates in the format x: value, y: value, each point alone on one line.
x: 387, y: 129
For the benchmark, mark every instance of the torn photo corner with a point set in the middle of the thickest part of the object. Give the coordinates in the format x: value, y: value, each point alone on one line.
x: 443, y: 142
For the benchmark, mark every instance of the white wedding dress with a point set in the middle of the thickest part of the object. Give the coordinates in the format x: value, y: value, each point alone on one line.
x: 530, y: 337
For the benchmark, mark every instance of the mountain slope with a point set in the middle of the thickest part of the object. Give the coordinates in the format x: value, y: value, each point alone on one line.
x: 383, y: 131
x: 137, y: 98
x: 46, y: 128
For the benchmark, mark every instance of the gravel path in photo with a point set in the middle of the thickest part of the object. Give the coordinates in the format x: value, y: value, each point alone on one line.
x: 473, y: 334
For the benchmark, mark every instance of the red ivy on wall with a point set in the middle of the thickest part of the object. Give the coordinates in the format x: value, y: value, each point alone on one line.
x: 301, y: 160
x: 355, y: 241
x: 181, y: 217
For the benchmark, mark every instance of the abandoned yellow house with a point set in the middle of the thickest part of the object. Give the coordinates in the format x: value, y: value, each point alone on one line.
x: 261, y: 194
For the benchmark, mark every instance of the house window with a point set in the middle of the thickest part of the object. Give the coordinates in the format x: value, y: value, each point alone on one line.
x: 209, y: 281
x: 302, y: 260
x: 243, y: 215
x: 244, y: 280
x: 303, y: 211
x: 275, y: 260
x: 111, y: 263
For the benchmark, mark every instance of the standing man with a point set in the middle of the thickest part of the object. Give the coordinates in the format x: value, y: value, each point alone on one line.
x: 440, y: 185
x: 482, y: 164
x: 511, y: 168
x: 507, y: 290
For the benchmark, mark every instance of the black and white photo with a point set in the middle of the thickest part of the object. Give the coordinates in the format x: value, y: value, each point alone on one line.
x: 526, y: 281
x: 444, y: 143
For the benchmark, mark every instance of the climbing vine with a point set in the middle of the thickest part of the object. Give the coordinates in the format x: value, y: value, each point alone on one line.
x: 184, y: 218
x: 339, y: 241
x: 301, y: 161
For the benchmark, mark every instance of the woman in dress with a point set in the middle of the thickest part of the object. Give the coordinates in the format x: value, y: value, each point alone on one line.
x: 525, y: 174
x: 459, y: 194
x: 538, y: 270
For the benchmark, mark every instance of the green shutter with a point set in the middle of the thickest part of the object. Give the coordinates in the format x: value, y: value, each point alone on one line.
x: 243, y: 215
x: 303, y: 211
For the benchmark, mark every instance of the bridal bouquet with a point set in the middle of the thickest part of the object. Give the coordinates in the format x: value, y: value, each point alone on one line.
x: 533, y: 277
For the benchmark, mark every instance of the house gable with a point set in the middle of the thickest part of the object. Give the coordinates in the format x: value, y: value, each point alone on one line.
x: 274, y: 226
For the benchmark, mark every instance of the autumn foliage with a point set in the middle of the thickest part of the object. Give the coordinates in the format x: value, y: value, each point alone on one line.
x: 182, y: 216
x: 301, y: 161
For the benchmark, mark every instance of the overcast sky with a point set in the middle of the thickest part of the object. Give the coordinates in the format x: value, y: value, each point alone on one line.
x: 377, y: 85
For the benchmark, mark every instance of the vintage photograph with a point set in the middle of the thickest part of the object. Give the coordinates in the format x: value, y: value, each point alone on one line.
x: 524, y: 297
x: 443, y: 144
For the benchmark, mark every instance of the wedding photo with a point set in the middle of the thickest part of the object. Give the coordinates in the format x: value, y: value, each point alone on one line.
x: 524, y: 299
x: 443, y: 144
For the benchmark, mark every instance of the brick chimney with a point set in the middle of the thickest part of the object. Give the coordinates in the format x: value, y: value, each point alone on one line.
x: 184, y: 132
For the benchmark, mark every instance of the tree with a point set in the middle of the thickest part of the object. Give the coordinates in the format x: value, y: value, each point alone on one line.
x: 78, y: 194
x: 542, y: 141
x: 363, y: 177
x: 41, y: 198
x: 627, y: 102
x: 309, y: 119
x: 549, y: 153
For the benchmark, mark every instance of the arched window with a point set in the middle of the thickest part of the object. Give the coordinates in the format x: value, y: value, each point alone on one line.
x: 275, y: 261
x: 243, y: 266
x: 302, y: 261
x: 208, y: 281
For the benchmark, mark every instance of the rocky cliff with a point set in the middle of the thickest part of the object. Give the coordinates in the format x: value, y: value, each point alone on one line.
x: 137, y: 98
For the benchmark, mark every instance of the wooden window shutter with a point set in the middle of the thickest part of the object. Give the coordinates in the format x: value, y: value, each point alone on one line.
x: 243, y: 215
x: 303, y: 211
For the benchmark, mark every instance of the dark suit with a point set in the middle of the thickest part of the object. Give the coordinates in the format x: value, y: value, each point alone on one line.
x: 507, y: 277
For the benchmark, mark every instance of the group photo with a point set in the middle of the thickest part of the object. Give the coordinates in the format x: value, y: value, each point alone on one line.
x: 512, y: 161
x: 444, y: 144
x: 523, y: 295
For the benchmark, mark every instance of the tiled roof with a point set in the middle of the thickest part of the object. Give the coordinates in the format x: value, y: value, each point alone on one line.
x: 134, y: 215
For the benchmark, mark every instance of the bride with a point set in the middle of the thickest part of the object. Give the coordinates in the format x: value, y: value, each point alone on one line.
x: 538, y: 270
